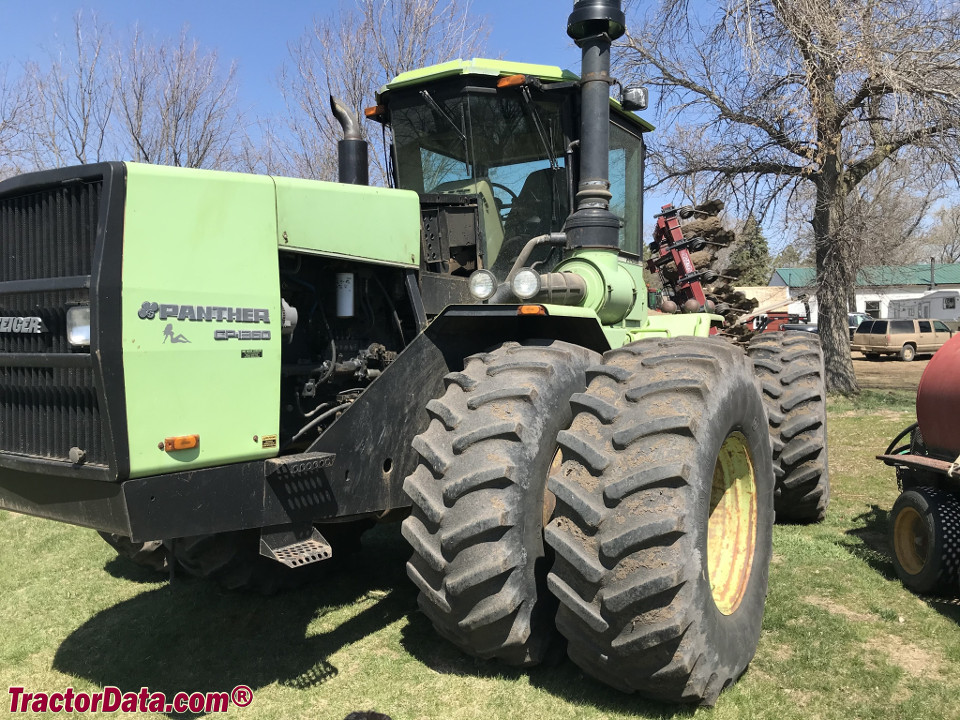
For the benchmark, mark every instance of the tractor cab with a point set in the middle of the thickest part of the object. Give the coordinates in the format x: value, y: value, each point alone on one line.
x: 491, y: 147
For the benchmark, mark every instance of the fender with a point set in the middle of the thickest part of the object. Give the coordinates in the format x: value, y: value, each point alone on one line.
x: 372, y: 439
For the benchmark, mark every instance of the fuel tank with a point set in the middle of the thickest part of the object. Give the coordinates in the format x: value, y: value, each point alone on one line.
x: 938, y: 401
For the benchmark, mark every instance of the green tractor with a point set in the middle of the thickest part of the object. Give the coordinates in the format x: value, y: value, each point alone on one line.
x: 235, y: 375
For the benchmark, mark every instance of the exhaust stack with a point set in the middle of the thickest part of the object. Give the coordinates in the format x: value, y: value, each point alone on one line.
x: 352, y: 164
x: 594, y: 25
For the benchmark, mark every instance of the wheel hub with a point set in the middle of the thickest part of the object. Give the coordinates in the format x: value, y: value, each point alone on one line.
x: 732, y: 525
x: 911, y: 541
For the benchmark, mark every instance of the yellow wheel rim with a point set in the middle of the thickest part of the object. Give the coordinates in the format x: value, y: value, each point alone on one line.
x: 911, y: 541
x: 732, y: 527
x: 549, y: 499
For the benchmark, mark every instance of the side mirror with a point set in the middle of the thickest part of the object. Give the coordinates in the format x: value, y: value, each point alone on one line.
x: 634, y: 98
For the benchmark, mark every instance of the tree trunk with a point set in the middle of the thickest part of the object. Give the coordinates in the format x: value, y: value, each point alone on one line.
x: 833, y: 281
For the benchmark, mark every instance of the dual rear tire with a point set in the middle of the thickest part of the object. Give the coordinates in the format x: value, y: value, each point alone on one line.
x: 661, y: 530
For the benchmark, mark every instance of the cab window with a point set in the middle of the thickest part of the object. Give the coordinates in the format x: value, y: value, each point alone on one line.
x: 626, y: 185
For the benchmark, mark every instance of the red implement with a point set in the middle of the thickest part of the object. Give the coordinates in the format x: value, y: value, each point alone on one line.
x: 938, y: 400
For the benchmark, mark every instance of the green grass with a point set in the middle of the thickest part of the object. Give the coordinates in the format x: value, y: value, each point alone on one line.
x: 842, y: 638
x: 898, y: 400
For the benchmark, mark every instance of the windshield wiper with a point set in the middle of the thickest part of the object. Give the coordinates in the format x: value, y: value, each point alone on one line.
x: 531, y: 108
x: 436, y: 106
x: 463, y: 137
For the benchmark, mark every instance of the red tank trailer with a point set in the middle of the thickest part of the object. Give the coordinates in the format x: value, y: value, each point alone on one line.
x: 924, y: 525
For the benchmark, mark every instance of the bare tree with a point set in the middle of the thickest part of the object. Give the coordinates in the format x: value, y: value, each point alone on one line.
x: 883, y: 216
x: 776, y: 97
x: 15, y: 108
x: 353, y: 52
x: 73, y: 99
x: 942, y: 241
x: 177, y: 105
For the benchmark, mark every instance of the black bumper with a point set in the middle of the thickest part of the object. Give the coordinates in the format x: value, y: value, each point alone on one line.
x: 232, y: 497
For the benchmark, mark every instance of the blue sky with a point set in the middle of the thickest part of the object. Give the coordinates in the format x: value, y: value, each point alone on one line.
x: 256, y: 33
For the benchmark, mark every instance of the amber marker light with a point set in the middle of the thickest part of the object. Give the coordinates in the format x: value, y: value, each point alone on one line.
x: 181, y: 442
x: 375, y: 111
x: 511, y: 81
x: 531, y: 310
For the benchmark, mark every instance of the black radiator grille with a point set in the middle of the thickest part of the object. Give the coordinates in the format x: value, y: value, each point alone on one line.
x: 50, y: 233
x: 46, y: 235
x: 46, y: 411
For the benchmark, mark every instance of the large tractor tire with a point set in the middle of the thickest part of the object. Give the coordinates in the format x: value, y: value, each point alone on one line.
x: 479, y: 500
x: 150, y: 554
x: 790, y: 368
x: 664, y: 519
x: 925, y: 538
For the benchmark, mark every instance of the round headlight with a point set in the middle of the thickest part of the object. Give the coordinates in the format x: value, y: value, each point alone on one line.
x: 483, y: 284
x: 526, y: 283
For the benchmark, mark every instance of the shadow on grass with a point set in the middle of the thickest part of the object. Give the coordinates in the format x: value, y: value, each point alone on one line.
x: 124, y: 569
x: 873, y: 547
x: 191, y: 636
x: 560, y: 677
x: 867, y: 541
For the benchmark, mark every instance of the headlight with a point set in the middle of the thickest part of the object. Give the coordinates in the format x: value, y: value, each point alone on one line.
x: 78, y: 325
x: 483, y: 284
x: 526, y: 283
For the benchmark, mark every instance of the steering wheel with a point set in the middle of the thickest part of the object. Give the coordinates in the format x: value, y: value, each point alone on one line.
x: 508, y: 191
x: 503, y: 209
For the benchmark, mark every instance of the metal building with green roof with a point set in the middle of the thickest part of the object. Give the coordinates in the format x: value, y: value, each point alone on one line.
x: 897, y: 291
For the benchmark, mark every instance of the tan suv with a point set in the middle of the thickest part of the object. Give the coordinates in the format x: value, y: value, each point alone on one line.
x: 905, y: 338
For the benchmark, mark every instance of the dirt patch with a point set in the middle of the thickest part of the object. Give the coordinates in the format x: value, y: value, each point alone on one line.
x: 888, y: 373
x: 911, y: 659
x: 835, y: 608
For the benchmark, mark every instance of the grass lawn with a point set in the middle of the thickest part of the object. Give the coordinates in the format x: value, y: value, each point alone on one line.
x: 842, y: 639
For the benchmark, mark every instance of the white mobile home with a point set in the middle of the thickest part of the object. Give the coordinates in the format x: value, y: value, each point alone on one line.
x: 939, y: 305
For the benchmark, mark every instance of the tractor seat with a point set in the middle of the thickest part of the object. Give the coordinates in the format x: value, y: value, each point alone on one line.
x: 541, y: 204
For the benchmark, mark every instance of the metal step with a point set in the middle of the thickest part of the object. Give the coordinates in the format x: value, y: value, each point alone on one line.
x: 295, y: 546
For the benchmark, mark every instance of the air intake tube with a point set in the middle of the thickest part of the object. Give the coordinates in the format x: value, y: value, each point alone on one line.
x: 352, y: 163
x: 594, y: 25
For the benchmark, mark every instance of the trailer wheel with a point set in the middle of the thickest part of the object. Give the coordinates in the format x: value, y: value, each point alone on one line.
x: 790, y: 368
x: 664, y: 519
x: 908, y: 352
x: 925, y: 538
x: 150, y: 554
x: 479, y: 500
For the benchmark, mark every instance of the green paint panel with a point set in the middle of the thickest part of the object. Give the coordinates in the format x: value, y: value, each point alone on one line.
x: 478, y: 66
x: 194, y: 240
x: 351, y: 221
x: 696, y: 324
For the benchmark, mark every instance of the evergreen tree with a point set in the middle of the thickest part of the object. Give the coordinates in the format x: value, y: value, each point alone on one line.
x: 791, y: 257
x: 750, y: 260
